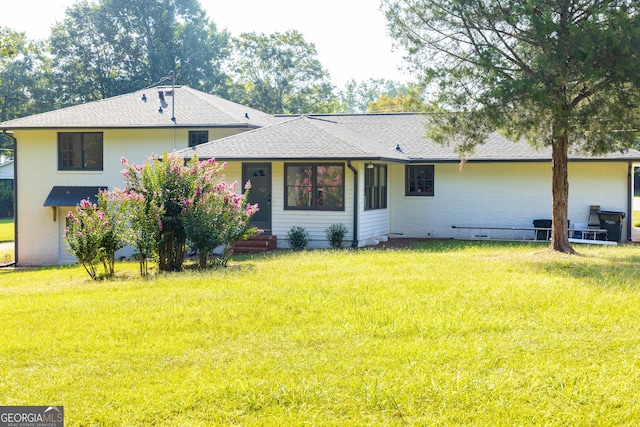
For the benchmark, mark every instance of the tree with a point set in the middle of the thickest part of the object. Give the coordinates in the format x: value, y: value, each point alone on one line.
x: 7, y: 45
x: 95, y: 232
x: 357, y: 96
x: 408, y: 101
x: 113, y: 47
x: 563, y: 73
x: 26, y: 78
x: 168, y: 204
x: 279, y: 74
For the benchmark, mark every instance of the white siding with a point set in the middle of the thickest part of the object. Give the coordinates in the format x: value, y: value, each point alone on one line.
x: 503, y: 195
x: 374, y: 224
x: 40, y: 239
x: 314, y: 222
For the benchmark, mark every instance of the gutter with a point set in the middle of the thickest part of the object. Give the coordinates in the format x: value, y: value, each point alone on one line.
x: 354, y: 242
x: 630, y: 195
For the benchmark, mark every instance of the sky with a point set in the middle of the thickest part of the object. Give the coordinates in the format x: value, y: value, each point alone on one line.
x: 350, y: 36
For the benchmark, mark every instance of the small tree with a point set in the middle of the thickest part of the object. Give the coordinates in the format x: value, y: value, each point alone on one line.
x: 215, y: 216
x: 143, y: 217
x: 94, y: 233
x: 165, y: 186
x: 113, y: 221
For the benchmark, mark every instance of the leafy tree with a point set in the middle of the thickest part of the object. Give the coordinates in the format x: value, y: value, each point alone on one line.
x: 216, y: 216
x: 563, y: 73
x: 7, y: 45
x: 164, y: 187
x: 357, y: 96
x: 112, y: 47
x: 279, y: 73
x: 409, y: 101
x: 27, y: 78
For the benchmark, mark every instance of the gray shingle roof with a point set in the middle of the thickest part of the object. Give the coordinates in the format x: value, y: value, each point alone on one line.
x: 301, y: 137
x: 193, y: 108
x: 366, y: 137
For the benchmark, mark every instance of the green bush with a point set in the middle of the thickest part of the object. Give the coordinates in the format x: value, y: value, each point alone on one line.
x: 335, y: 235
x: 298, y: 238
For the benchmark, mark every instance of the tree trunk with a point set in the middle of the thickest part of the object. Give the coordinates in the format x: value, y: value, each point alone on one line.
x: 560, y: 193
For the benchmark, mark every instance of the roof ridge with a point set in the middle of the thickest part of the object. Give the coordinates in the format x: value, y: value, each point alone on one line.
x: 344, y: 139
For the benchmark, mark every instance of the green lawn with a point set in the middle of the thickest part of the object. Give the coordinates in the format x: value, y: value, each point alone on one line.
x: 450, y: 333
x: 6, y: 230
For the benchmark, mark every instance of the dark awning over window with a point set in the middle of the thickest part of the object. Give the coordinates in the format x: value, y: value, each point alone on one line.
x: 71, y: 196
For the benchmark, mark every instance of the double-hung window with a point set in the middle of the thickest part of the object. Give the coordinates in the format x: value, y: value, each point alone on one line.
x: 375, y: 187
x: 80, y: 151
x: 419, y: 180
x: 314, y: 186
x: 197, y: 137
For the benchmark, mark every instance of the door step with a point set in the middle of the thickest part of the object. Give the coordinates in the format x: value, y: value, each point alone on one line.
x: 256, y: 244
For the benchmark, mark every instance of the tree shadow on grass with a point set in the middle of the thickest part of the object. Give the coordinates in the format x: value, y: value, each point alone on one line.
x: 617, y: 269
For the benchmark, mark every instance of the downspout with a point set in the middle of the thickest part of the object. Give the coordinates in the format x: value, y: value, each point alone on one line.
x: 15, y: 196
x: 354, y: 242
x: 630, y: 194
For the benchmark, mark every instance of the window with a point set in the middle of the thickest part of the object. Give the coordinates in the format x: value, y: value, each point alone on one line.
x: 314, y: 186
x: 80, y: 151
x: 419, y: 180
x: 375, y: 187
x: 197, y: 137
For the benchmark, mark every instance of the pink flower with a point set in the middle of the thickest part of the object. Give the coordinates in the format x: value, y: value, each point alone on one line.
x: 247, y: 186
x: 123, y: 160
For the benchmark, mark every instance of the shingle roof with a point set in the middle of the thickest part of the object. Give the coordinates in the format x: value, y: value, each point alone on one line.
x: 193, y: 108
x: 301, y: 137
x: 366, y: 137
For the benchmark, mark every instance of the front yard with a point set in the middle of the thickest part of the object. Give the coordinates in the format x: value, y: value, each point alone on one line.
x: 452, y: 333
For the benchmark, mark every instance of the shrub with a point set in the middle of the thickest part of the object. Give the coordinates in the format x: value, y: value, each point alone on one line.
x: 95, y: 232
x: 298, y: 238
x: 335, y: 235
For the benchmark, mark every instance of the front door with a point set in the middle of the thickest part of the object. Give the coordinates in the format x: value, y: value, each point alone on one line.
x: 260, y: 176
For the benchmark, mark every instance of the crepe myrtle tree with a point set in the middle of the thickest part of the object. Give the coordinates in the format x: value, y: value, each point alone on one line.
x: 215, y: 215
x: 559, y: 73
x: 172, y: 204
x: 95, y: 232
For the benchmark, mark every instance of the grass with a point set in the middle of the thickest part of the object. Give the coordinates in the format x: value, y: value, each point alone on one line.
x: 6, y: 230
x: 453, y: 333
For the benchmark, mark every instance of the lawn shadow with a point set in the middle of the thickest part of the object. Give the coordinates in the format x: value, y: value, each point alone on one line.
x: 610, y: 269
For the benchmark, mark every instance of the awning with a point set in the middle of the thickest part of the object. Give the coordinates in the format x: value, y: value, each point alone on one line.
x: 71, y: 196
